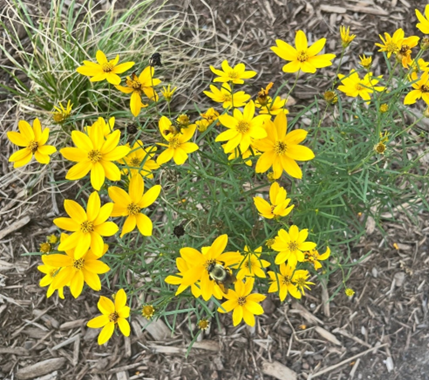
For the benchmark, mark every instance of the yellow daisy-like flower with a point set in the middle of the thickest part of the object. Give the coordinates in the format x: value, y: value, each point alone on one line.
x: 167, y: 93
x: 95, y: 153
x: 300, y: 278
x: 104, y: 69
x: 33, y: 139
x: 349, y: 292
x: 148, y: 311
x: 314, y: 257
x: 252, y: 265
x: 272, y: 107
x: 353, y: 86
x: 137, y: 85
x: 346, y: 37
x: 391, y: 44
x: 281, y: 150
x: 106, y: 126
x: 130, y: 205
x: 178, y: 145
x: 303, y: 58
x: 60, y: 115
x: 292, y: 245
x: 88, y: 226
x: 76, y: 272
x: 423, y: 25
x: 199, y: 262
x: 183, y: 267
x: 365, y: 62
x: 421, y: 88
x: 282, y: 282
x: 234, y: 75
x: 243, y: 303
x: 112, y: 314
x: 419, y: 65
x: 225, y: 96
x: 203, y: 324
x: 50, y: 274
x: 209, y: 117
x: 242, y: 128
x: 139, y: 160
x: 279, y: 203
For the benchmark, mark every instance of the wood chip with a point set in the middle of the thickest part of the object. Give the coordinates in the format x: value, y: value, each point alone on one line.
x: 157, y: 329
x: 310, y: 318
x: 348, y: 335
x: 66, y: 342
x: 373, y: 11
x: 40, y: 368
x: 50, y: 376
x: 278, y: 371
x: 332, y: 9
x: 72, y: 324
x: 122, y: 375
x: 49, y: 321
x: 14, y: 226
x: 14, y: 351
x: 327, y: 335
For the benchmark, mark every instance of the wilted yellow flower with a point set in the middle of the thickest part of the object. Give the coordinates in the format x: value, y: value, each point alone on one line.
x: 346, y: 37
x: 209, y: 117
x: 112, y: 314
x: 314, y: 257
x: 148, y: 311
x: 365, y: 62
x: 262, y: 98
x: 167, y: 93
x: 243, y: 303
x: 234, y: 75
x: 404, y: 53
x: 45, y: 247
x: 384, y: 108
x: 272, y: 107
x: 330, y: 97
x: 303, y: 58
x: 279, y: 203
x: 33, y: 139
x: 62, y: 114
x: 104, y: 69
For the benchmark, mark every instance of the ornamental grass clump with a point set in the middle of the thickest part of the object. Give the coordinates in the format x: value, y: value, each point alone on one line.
x: 209, y: 208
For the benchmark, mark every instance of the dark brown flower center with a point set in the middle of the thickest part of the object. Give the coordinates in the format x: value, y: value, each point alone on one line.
x: 241, y: 301
x: 78, y: 264
x: 280, y: 147
x: 107, y: 67
x: 135, y: 161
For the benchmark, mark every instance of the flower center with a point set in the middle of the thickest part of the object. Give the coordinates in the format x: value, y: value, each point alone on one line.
x: 87, y: 227
x: 175, y: 142
x: 404, y: 49
x: 359, y: 87
x: 424, y: 88
x: 300, y: 282
x: 391, y: 47
x: 243, y: 126
x: 302, y: 56
x: 293, y: 246
x: 94, y: 156
x: 133, y: 209
x: 280, y: 147
x: 33, y: 146
x: 233, y: 75
x: 107, y: 67
x: 135, y: 161
x: 78, y: 264
x: 114, y: 317
x: 380, y: 148
x: 53, y: 272
x: 285, y: 280
x: 227, y: 97
x: 134, y: 84
x: 241, y: 301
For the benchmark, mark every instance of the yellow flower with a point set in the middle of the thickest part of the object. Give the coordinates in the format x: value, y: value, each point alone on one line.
x: 112, y: 314
x: 250, y: 152
x: 303, y: 58
x: 53, y: 239
x: 104, y: 69
x: 269, y: 243
x: 349, y: 292
x: 137, y: 85
x: 279, y: 202
x: 95, y: 153
x: 262, y: 98
x: 234, y: 75
x: 148, y: 311
x: 272, y: 107
x: 346, y: 37
x: 106, y: 126
x: 50, y: 273
x: 404, y: 53
x: 62, y: 114
x: 353, y: 86
x: 384, y: 108
x: 281, y: 150
x: 419, y: 65
x: 130, y: 205
x: 87, y: 227
x: 282, y: 282
x: 380, y: 148
x: 203, y: 324
x: 167, y: 93
x: 252, y: 265
x: 178, y: 146
x: 421, y: 88
x: 199, y: 262
x: 209, y: 117
x: 75, y: 272
x: 330, y: 97
x: 423, y: 25
x: 245, y: 305
x: 365, y: 62
x: 391, y: 45
x: 34, y: 140
x: 139, y: 160
x: 45, y: 247
x: 314, y: 257
x: 291, y: 245
x: 183, y: 267
x: 242, y: 128
x: 300, y: 278
x: 227, y: 97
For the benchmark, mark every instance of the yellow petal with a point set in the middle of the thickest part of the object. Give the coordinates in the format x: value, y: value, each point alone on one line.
x: 124, y: 326
x: 75, y: 211
x: 97, y: 176
x: 120, y: 299
x: 26, y: 130
x: 150, y: 196
x: 79, y: 170
x: 18, y: 139
x: 129, y: 224
x: 106, y: 333
x: 144, y: 224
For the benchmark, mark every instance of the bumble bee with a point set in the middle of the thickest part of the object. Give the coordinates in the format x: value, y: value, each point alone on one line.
x: 155, y: 60
x: 221, y: 275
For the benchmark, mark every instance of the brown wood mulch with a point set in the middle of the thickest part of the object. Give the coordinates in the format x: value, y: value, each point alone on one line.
x: 380, y: 333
